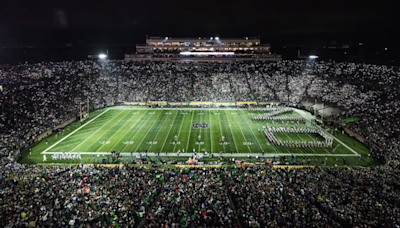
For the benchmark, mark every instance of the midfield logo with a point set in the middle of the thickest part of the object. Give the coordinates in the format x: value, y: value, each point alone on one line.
x: 200, y: 125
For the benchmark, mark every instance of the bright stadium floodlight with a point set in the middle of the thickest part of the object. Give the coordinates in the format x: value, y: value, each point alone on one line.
x: 211, y: 38
x: 217, y: 38
x: 206, y: 53
x: 102, y: 56
x: 313, y: 57
x: 166, y: 38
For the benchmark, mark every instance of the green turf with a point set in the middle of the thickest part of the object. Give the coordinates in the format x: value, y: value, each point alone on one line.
x: 135, y: 129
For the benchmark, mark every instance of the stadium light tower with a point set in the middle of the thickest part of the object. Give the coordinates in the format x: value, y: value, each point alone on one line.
x: 313, y: 56
x: 102, y: 56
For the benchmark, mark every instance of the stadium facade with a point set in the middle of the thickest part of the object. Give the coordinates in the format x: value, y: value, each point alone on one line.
x: 202, y: 49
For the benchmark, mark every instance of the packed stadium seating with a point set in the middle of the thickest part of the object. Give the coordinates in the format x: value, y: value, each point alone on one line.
x: 198, y: 197
x: 43, y: 95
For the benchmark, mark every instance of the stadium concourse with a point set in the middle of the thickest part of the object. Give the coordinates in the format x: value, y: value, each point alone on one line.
x: 37, y: 99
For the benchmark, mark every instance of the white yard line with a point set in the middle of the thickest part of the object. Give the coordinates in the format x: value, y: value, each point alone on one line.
x: 220, y: 130
x: 304, y: 140
x: 209, y: 119
x: 273, y: 146
x: 70, y: 142
x: 98, y: 124
x: 229, y: 125
x: 137, y: 121
x: 158, y: 133
x: 64, y: 146
x: 115, y: 132
x: 190, y: 129
x: 315, y: 141
x: 136, y: 133
x: 88, y: 130
x: 149, y: 130
x: 101, y: 134
x: 243, y: 134
x: 200, y: 133
x: 301, y: 152
x: 183, y: 120
x: 335, y: 148
x: 74, y: 131
x: 169, y: 131
x: 252, y: 132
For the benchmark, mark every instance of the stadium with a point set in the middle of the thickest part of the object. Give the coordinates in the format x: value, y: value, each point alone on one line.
x: 199, y: 114
x: 200, y: 144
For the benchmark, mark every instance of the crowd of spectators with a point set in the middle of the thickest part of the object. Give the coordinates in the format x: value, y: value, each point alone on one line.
x: 40, y: 96
x: 128, y: 196
x: 358, y: 197
x: 43, y: 95
x: 40, y: 196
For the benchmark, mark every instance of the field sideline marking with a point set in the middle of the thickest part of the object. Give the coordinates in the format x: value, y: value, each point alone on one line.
x: 149, y: 130
x: 74, y: 131
x: 223, y: 154
x: 252, y: 132
x: 158, y: 132
x: 128, y: 130
x: 190, y: 130
x: 231, y: 132
x: 136, y: 133
x: 101, y: 134
x: 187, y: 109
x: 243, y: 134
x: 169, y: 131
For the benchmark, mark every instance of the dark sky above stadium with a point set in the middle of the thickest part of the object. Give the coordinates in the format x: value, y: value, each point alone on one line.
x: 70, y: 22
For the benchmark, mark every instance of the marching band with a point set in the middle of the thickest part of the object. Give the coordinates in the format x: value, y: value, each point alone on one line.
x: 298, y: 144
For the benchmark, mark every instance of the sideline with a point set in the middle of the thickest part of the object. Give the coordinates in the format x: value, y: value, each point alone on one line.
x: 55, y: 144
x: 234, y: 155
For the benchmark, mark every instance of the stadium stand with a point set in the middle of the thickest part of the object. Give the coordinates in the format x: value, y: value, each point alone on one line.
x: 41, y: 96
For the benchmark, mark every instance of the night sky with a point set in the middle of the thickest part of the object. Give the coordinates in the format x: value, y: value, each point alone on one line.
x: 69, y: 23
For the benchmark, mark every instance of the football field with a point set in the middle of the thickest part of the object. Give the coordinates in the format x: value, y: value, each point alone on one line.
x: 130, y: 129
